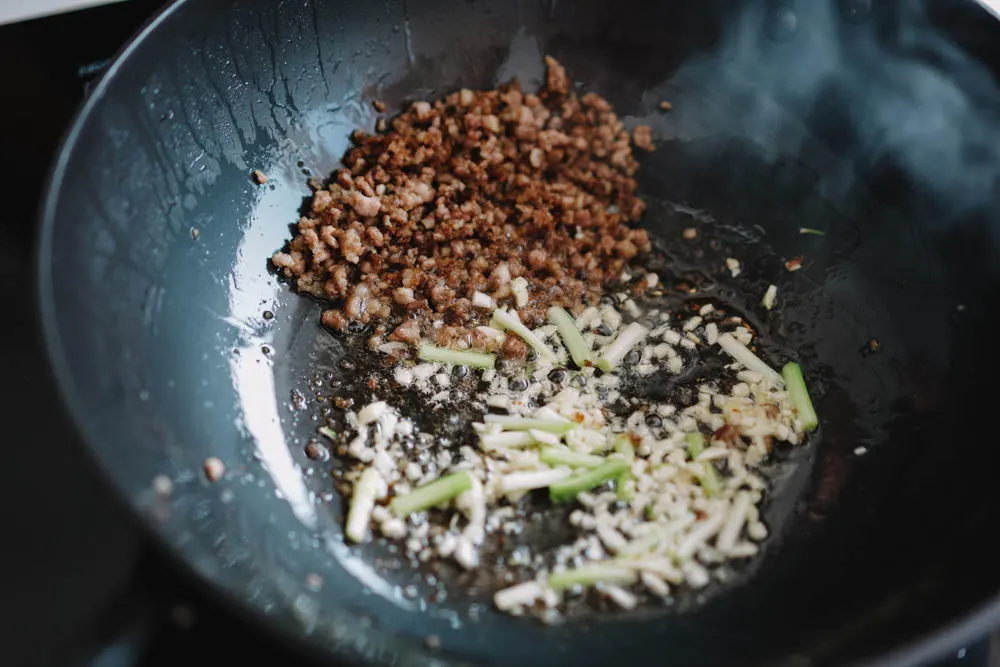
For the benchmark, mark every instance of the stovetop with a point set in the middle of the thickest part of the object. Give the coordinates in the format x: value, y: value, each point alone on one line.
x: 75, y: 565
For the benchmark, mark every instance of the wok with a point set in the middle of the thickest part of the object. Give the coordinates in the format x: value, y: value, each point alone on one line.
x: 874, y: 124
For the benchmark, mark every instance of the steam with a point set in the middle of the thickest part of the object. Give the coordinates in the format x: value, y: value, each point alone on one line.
x: 902, y: 93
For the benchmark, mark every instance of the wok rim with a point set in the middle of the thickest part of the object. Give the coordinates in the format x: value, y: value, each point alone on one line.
x: 58, y: 367
x: 972, y: 626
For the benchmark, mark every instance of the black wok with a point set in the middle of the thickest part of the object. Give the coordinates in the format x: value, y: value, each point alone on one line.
x: 154, y: 283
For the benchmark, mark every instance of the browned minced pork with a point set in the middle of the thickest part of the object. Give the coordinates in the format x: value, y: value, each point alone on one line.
x: 643, y: 137
x: 514, y: 347
x: 466, y: 195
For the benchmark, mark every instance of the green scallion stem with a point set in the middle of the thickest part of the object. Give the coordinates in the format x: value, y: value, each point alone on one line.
x: 812, y: 232
x: 795, y: 384
x: 567, y: 457
x: 625, y: 447
x: 567, y: 489
x: 436, y: 492
x: 626, y: 481
x: 696, y: 444
x: 507, y: 321
x: 513, y: 423
x: 745, y: 356
x: 513, y: 439
x: 571, y: 336
x: 588, y: 575
x: 626, y: 486
x: 444, y: 355
x: 709, y: 479
x: 328, y: 432
x: 612, y: 355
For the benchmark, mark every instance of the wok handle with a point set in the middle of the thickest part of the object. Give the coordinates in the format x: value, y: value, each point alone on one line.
x: 123, y: 634
x: 146, y: 615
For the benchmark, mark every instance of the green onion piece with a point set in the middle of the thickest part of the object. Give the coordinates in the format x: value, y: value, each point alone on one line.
x: 509, y: 322
x: 625, y: 481
x: 745, y: 356
x: 709, y: 479
x: 506, y: 439
x: 366, y: 491
x: 811, y: 231
x: 443, y: 355
x: 555, y: 456
x: 328, y: 432
x: 626, y: 486
x: 427, y: 496
x: 799, y: 395
x: 567, y: 489
x: 625, y: 447
x: 588, y: 575
x: 513, y: 423
x: 696, y: 444
x: 571, y: 336
x: 612, y: 355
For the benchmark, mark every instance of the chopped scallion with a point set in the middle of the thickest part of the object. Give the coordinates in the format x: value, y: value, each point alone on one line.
x: 569, y: 488
x: 695, y: 444
x: 612, y: 355
x: 799, y: 395
x: 514, y: 423
x: 588, y: 575
x: 709, y: 478
x: 571, y: 336
x: 506, y: 439
x: 436, y: 492
x: 743, y: 355
x: 625, y: 447
x: 626, y: 486
x: 626, y: 481
x: 554, y: 456
x: 444, y: 355
x: 508, y: 321
x: 531, y: 479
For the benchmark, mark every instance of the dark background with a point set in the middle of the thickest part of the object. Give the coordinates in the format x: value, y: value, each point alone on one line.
x: 78, y: 584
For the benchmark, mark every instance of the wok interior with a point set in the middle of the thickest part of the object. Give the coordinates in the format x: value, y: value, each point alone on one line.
x: 154, y: 285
